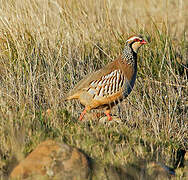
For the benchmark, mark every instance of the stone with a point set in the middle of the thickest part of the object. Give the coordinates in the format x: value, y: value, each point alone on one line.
x: 115, y: 120
x: 160, y: 171
x: 53, y: 160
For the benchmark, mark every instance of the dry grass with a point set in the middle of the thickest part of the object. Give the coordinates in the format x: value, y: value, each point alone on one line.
x: 48, y: 46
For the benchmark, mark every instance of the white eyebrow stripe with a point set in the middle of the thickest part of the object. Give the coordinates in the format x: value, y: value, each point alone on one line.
x: 135, y: 37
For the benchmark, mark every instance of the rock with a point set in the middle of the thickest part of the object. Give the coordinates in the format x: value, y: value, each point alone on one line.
x: 52, y: 159
x: 59, y: 161
x: 185, y: 171
x: 159, y: 171
x: 115, y: 120
x: 186, y: 156
x: 110, y: 172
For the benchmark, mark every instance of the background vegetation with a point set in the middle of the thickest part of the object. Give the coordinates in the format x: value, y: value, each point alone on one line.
x: 47, y: 46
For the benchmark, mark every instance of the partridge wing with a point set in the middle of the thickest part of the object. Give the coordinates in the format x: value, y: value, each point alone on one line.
x: 108, y: 85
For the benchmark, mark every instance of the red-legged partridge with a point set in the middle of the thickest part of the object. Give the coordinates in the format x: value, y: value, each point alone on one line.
x: 109, y: 85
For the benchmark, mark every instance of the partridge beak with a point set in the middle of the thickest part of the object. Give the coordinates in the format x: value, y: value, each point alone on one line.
x: 143, y: 42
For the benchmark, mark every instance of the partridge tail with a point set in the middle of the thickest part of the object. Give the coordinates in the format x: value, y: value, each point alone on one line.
x: 69, y: 97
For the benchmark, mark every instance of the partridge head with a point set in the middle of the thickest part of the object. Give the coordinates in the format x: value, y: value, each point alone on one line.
x: 111, y: 84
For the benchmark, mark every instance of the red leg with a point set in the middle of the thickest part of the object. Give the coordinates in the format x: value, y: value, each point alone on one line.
x: 107, y: 112
x: 82, y: 114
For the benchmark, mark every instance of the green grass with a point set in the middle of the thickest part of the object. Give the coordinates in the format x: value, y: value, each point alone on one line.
x: 46, y: 47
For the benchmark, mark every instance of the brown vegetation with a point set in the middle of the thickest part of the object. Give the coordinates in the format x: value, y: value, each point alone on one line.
x: 48, y: 46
